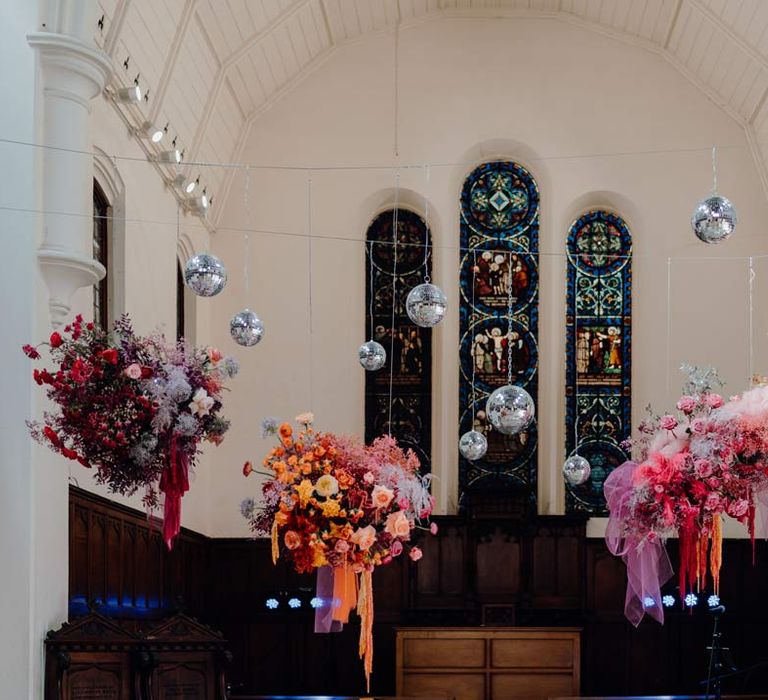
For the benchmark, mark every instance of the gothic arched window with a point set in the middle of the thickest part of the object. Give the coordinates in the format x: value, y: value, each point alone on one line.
x: 409, y: 347
x: 500, y: 240
x: 101, y: 210
x: 598, y: 413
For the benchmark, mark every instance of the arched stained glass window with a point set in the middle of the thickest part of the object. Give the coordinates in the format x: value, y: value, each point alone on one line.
x: 598, y: 413
x: 499, y: 239
x: 409, y: 347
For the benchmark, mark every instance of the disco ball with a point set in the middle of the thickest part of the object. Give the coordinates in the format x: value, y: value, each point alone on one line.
x: 510, y: 409
x: 205, y: 275
x: 426, y: 305
x: 372, y: 355
x: 714, y: 219
x: 576, y: 470
x: 246, y: 328
x: 473, y: 445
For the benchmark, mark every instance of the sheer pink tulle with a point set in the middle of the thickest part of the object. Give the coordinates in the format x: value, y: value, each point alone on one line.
x: 648, y: 565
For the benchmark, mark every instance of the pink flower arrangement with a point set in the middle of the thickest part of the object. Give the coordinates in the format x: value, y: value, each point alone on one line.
x: 691, y: 470
x: 134, y: 408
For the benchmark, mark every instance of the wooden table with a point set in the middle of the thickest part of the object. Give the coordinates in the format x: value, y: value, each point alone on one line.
x: 488, y: 663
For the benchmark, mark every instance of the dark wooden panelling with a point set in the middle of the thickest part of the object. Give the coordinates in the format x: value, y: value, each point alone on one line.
x: 119, y: 566
x: 536, y: 572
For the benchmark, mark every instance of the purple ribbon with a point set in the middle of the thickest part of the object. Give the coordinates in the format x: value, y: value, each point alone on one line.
x: 325, y: 602
x: 648, y: 565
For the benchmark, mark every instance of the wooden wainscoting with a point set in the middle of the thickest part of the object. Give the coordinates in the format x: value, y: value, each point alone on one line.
x: 487, y: 663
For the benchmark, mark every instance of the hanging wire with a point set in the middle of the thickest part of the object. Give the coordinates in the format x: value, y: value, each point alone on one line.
x: 395, y: 215
x: 751, y: 320
x: 474, y: 359
x: 370, y: 285
x: 576, y: 383
x: 246, y: 236
x: 384, y: 167
x: 309, y: 264
x: 714, y: 170
x: 396, y: 101
x: 669, y: 326
x: 509, y: 321
x: 427, y: 277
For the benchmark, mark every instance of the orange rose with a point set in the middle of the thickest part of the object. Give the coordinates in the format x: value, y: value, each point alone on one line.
x: 285, y: 430
x: 398, y: 525
x: 292, y: 539
x: 344, y: 478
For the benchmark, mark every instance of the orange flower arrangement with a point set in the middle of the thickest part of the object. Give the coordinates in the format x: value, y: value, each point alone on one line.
x: 334, y: 505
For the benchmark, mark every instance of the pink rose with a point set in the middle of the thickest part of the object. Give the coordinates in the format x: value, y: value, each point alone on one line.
x: 403, y: 504
x: 703, y: 468
x: 381, y: 496
x: 686, y: 404
x: 699, y: 426
x: 713, y: 503
x: 342, y: 546
x: 433, y: 528
x: 713, y: 482
x: 396, y: 549
x: 386, y: 560
x: 214, y: 355
x: 739, y: 508
x: 415, y: 554
x: 133, y: 371
x: 368, y: 477
x: 398, y: 526
x: 364, y: 537
x: 714, y: 400
x: 668, y: 422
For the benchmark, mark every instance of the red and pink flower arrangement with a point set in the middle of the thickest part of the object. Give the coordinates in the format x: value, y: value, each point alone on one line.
x: 706, y: 461
x: 335, y: 505
x: 134, y: 408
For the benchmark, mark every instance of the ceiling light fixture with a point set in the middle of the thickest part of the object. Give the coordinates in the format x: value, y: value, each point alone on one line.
x: 200, y: 204
x: 153, y: 133
x: 129, y: 95
x: 185, y: 184
x: 171, y: 156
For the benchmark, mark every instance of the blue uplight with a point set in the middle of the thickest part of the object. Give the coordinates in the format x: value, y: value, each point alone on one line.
x: 294, y: 603
x: 648, y: 602
x: 713, y: 601
x: 316, y: 602
x: 668, y: 601
x: 272, y: 603
x: 691, y: 600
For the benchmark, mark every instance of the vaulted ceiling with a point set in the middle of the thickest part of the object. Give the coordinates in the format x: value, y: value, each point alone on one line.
x: 211, y: 67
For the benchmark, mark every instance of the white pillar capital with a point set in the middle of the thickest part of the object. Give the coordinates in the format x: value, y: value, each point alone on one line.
x: 73, y: 73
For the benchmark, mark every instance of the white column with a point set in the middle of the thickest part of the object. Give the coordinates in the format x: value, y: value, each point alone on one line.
x: 72, y: 73
x: 47, y: 86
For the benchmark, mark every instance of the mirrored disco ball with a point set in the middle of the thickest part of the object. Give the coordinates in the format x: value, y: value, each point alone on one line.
x: 576, y: 470
x: 205, y: 275
x: 473, y: 445
x: 372, y: 355
x: 246, y: 328
x: 714, y: 219
x: 510, y: 409
x: 426, y: 305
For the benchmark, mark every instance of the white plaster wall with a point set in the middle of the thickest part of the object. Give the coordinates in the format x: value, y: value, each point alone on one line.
x: 144, y: 255
x: 593, y: 119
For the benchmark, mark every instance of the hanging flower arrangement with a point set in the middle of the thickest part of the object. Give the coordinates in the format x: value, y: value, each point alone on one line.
x: 706, y: 461
x: 335, y: 505
x: 135, y: 409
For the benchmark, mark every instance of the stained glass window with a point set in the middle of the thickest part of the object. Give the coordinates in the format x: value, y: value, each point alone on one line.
x: 598, y: 351
x: 101, y: 254
x: 409, y: 347
x: 499, y: 248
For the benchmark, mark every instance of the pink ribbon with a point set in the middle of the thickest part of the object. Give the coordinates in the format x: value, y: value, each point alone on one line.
x: 648, y: 565
x: 324, y: 622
